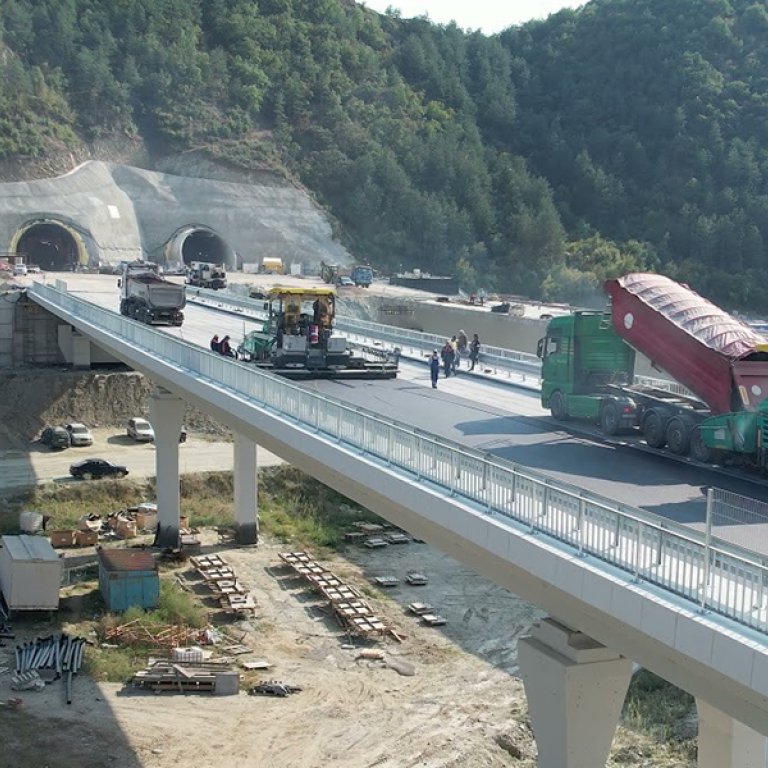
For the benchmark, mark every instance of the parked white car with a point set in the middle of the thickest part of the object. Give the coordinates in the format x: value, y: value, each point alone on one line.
x: 140, y: 430
x: 79, y: 434
x: 20, y: 270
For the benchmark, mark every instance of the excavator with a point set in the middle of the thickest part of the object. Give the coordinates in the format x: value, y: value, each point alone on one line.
x: 298, y: 340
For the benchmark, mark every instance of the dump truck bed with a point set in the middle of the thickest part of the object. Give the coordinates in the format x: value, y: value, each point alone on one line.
x: 714, y: 355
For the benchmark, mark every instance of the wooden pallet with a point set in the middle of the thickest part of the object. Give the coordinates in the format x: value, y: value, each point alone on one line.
x: 292, y: 558
x: 205, y: 562
x: 340, y: 594
x: 386, y: 581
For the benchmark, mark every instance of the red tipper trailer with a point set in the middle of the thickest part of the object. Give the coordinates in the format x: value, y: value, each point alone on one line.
x: 720, y: 359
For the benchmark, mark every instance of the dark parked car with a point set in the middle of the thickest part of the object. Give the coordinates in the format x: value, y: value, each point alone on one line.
x: 56, y: 438
x: 88, y: 469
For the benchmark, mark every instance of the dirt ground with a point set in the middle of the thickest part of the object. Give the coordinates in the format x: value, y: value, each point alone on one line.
x: 459, y: 706
x: 463, y: 706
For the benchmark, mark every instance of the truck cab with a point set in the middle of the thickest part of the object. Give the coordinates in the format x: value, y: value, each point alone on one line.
x: 583, y: 365
x: 205, y: 274
x: 362, y: 276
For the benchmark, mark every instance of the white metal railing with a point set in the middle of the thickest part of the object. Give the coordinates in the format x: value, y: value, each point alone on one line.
x: 715, y: 576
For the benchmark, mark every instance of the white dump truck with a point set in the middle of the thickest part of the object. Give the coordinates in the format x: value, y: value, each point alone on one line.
x: 146, y: 296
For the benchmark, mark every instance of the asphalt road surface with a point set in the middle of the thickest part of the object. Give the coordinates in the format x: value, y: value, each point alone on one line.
x: 505, y: 421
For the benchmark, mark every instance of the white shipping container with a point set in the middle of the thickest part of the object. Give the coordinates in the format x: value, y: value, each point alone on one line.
x: 30, y: 573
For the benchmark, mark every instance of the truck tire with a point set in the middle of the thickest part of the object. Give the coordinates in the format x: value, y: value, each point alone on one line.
x: 678, y: 436
x: 699, y: 451
x: 610, y: 422
x: 653, y: 429
x: 558, y: 406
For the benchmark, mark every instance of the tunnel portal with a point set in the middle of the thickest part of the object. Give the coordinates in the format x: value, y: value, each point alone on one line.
x: 204, y: 245
x: 50, y: 246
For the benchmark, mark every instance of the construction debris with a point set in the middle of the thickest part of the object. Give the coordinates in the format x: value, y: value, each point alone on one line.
x: 27, y: 681
x: 255, y: 664
x: 420, y: 608
x: 416, y: 579
x: 49, y: 657
x: 274, y: 688
x: 141, y: 633
x: 397, y: 538
x: 375, y: 542
x: 433, y: 619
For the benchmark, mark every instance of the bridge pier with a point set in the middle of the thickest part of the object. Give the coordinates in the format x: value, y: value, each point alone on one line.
x: 575, y: 688
x: 167, y: 414
x: 727, y: 743
x: 246, y: 490
x: 81, y: 351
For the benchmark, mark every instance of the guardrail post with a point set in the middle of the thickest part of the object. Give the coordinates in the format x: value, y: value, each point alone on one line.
x: 580, y: 526
x: 418, y: 457
x: 453, y: 474
x: 338, y: 425
x: 637, y: 553
x: 486, y: 489
x: 707, y: 550
x: 389, y: 446
x: 364, y: 433
x: 617, y: 531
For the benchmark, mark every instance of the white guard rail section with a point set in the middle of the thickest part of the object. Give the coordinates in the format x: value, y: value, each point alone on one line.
x: 714, y: 576
x: 414, y: 344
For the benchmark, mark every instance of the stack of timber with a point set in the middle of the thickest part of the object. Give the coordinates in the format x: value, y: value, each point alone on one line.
x: 186, y: 677
x: 352, y: 612
x: 222, y: 580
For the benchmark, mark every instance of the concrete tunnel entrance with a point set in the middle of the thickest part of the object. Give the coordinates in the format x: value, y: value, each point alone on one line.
x: 198, y: 243
x: 49, y: 245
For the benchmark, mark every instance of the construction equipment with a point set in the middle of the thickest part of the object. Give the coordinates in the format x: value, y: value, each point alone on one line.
x: 146, y: 296
x: 362, y: 276
x: 719, y: 413
x: 298, y: 340
x: 204, y: 274
x: 271, y: 265
x: 329, y: 272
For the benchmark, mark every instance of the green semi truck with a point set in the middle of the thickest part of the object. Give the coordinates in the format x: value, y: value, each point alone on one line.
x: 717, y: 408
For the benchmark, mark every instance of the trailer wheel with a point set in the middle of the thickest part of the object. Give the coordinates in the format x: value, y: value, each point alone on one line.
x: 678, y: 436
x: 699, y: 451
x: 610, y: 423
x: 558, y: 406
x: 653, y: 429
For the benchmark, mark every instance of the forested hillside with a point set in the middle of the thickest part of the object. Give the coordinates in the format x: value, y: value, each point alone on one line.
x: 630, y: 134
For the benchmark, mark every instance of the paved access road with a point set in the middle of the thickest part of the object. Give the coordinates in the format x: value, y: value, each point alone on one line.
x: 25, y: 469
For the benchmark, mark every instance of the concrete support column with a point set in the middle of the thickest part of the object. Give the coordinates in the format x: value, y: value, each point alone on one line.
x: 727, y: 743
x: 575, y: 688
x: 81, y: 351
x: 167, y: 413
x: 246, y: 485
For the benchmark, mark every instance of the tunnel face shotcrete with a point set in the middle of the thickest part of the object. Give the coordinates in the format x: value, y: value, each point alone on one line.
x: 51, y: 246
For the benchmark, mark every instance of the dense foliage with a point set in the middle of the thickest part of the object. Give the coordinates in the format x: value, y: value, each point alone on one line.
x: 629, y: 134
